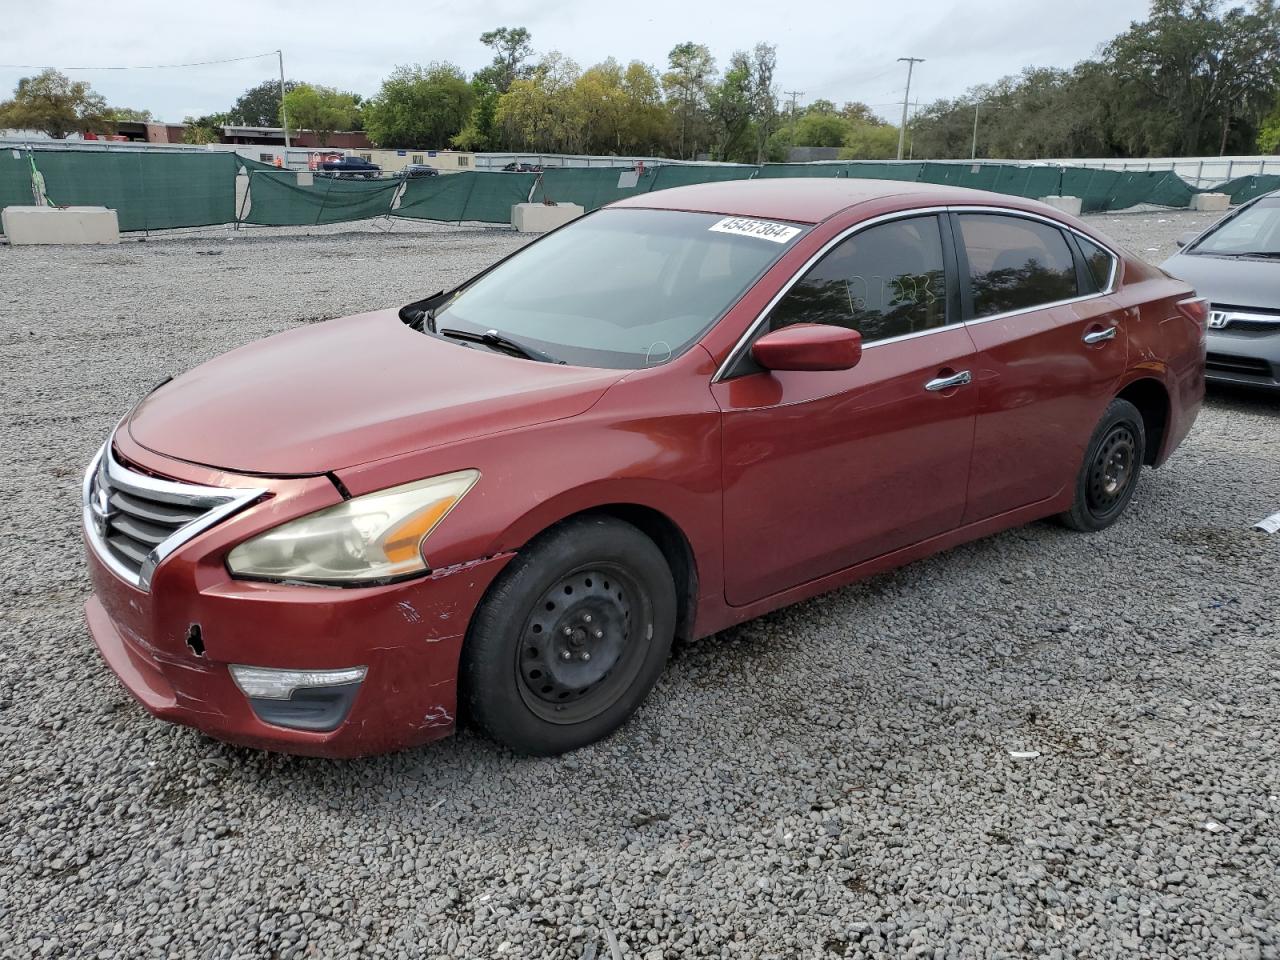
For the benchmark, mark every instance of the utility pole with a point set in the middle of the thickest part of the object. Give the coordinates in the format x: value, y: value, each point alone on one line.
x: 906, y: 98
x: 284, y: 119
x: 793, y: 94
x: 973, y: 153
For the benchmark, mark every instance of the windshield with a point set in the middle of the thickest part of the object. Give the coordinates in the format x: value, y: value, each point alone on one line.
x: 621, y: 288
x: 1254, y: 230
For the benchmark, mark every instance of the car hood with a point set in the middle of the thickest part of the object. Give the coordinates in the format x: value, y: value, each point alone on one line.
x: 1240, y: 283
x: 345, y: 392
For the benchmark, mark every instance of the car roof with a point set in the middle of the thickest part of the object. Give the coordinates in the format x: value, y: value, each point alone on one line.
x: 814, y: 199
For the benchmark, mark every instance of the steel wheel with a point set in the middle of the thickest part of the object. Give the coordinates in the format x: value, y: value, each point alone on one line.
x: 583, y: 643
x: 1112, y: 471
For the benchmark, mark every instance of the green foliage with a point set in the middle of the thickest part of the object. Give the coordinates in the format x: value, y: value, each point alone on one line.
x: 870, y: 141
x: 480, y: 131
x: 820, y: 129
x: 52, y: 102
x: 1192, y: 78
x: 687, y: 86
x: 1269, y: 135
x: 259, y: 106
x: 322, y: 110
x: 128, y: 115
x: 204, y: 129
x: 420, y: 107
x: 512, y: 49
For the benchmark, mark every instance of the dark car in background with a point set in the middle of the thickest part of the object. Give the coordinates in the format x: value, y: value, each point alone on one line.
x: 349, y: 167
x: 514, y: 167
x: 415, y: 170
x: 1235, y: 265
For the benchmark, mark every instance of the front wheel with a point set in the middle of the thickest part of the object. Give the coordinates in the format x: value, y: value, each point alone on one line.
x: 1110, y: 470
x: 571, y: 637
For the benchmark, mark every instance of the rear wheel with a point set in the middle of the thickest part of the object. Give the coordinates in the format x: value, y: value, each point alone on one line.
x: 571, y: 637
x: 1110, y: 470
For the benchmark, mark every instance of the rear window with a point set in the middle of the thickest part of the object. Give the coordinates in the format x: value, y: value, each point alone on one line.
x: 1016, y: 263
x: 1098, y: 265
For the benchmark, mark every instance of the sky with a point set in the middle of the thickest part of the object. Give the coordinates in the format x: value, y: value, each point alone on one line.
x: 835, y: 51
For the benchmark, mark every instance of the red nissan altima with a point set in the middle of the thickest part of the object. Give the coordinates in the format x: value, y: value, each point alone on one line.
x: 506, y: 500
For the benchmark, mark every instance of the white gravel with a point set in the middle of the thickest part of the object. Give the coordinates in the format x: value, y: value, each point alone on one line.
x: 1041, y: 744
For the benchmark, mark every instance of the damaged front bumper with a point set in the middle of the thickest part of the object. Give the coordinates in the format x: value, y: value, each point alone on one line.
x: 321, y: 671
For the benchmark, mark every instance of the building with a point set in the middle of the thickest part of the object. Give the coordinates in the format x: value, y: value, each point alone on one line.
x: 346, y: 140
x: 446, y: 161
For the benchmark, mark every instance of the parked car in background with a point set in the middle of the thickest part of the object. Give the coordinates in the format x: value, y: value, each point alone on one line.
x: 677, y: 413
x: 348, y: 168
x: 1235, y: 265
x: 522, y: 168
x: 416, y: 170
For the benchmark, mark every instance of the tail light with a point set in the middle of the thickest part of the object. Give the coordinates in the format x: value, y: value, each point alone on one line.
x: 1196, y: 309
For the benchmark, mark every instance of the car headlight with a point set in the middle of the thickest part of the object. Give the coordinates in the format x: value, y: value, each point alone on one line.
x: 376, y: 537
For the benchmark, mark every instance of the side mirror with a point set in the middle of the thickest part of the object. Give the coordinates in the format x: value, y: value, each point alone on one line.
x: 1186, y: 238
x: 808, y: 346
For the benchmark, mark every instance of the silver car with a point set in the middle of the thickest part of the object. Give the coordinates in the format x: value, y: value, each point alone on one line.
x: 1235, y: 265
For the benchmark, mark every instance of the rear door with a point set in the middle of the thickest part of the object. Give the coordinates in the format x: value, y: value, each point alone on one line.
x: 1051, y: 348
x: 824, y: 469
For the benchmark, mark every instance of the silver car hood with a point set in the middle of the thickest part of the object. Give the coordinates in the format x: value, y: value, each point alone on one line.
x: 1240, y: 283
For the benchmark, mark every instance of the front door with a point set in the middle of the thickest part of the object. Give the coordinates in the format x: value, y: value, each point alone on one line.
x: 825, y: 469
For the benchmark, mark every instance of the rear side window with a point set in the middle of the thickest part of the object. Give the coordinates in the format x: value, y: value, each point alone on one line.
x: 1015, y: 263
x: 1097, y: 262
x: 885, y: 281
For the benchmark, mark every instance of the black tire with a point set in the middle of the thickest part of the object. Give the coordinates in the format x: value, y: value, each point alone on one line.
x: 529, y: 677
x: 1109, y: 474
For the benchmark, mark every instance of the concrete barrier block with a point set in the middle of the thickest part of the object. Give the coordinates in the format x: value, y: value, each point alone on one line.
x: 1069, y: 205
x: 1215, y: 202
x: 539, y: 217
x: 56, y: 225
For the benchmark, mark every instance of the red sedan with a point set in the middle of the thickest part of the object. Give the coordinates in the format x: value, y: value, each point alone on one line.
x: 680, y: 412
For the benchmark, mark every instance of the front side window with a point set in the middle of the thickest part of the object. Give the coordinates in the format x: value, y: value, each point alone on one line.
x: 623, y: 288
x: 1016, y: 263
x: 885, y: 281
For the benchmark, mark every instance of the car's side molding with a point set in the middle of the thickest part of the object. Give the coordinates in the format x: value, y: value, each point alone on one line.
x: 744, y: 342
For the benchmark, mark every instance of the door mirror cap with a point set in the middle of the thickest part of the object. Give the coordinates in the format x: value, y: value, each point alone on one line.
x: 1186, y: 238
x: 808, y: 346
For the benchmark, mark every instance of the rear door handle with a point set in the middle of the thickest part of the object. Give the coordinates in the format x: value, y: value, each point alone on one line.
x: 946, y: 383
x: 1097, y: 336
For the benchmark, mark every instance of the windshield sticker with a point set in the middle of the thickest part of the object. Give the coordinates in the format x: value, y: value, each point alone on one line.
x: 761, y: 229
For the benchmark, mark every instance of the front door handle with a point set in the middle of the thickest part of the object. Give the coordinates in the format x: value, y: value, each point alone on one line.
x: 946, y: 383
x: 1098, y: 336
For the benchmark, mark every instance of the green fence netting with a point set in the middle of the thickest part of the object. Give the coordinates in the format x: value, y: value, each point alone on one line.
x: 479, y: 197
x: 156, y: 190
x: 1246, y: 188
x: 276, y: 199
x: 148, y: 191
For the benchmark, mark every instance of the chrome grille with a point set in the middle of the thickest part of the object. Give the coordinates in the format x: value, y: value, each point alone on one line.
x: 133, y: 521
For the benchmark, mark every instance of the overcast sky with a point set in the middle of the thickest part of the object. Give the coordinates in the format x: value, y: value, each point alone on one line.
x: 837, y: 51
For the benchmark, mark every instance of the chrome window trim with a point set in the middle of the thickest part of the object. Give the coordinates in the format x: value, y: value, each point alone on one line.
x: 219, y: 502
x: 744, y: 341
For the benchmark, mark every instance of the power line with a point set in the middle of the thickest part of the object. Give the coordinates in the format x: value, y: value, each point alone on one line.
x: 144, y: 66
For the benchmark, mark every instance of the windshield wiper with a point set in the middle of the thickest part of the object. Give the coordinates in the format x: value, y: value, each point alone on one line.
x: 492, y: 338
x: 1258, y: 254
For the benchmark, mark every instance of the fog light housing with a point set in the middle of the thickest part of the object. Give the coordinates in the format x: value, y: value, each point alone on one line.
x: 315, y: 700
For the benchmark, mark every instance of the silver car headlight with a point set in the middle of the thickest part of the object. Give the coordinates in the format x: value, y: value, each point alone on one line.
x: 376, y: 537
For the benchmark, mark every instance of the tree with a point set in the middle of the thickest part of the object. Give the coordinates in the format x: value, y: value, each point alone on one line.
x: 420, y: 106
x: 687, y: 83
x: 512, y: 48
x: 763, y: 95
x: 1195, y: 68
x: 259, y: 106
x: 203, y: 129
x: 480, y: 131
x: 729, y: 103
x: 870, y: 141
x: 1269, y: 135
x: 322, y: 110
x: 541, y: 112
x: 128, y: 115
x: 57, y: 105
x: 820, y: 129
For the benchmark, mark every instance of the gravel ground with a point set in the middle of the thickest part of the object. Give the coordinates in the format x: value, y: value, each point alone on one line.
x: 832, y: 780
